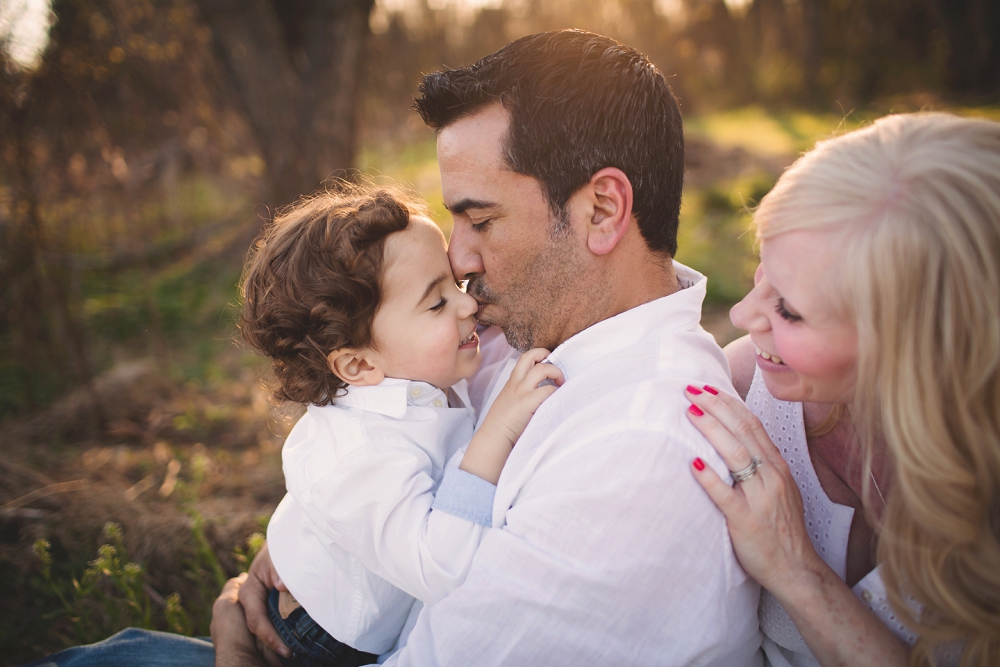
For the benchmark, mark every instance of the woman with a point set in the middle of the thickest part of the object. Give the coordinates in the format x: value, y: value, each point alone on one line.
x: 874, y: 362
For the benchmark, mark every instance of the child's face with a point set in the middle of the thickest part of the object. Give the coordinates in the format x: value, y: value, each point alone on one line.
x: 425, y: 328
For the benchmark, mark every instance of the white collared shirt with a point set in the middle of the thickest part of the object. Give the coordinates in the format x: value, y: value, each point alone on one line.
x: 361, y: 477
x: 608, y: 552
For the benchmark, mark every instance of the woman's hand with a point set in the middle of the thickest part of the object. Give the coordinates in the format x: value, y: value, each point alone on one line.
x: 764, y: 513
x: 766, y: 523
x: 509, y: 415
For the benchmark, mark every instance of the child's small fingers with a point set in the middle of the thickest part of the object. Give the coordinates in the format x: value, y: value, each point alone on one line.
x: 545, y: 391
x: 527, y: 361
x: 542, y: 372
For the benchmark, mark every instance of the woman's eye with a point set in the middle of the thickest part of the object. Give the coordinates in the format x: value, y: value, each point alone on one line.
x: 785, y: 313
x: 440, y: 304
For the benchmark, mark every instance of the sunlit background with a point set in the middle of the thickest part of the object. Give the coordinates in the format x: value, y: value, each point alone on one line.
x: 145, y: 142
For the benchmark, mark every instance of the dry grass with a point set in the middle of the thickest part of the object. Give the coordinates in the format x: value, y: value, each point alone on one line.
x: 170, y: 454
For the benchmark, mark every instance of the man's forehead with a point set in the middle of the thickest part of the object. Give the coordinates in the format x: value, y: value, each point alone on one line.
x: 484, y: 126
x: 473, y: 143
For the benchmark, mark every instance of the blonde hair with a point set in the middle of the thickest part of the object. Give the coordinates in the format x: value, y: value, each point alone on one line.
x: 918, y: 200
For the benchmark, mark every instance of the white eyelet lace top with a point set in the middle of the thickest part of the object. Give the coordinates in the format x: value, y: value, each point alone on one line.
x: 829, y: 526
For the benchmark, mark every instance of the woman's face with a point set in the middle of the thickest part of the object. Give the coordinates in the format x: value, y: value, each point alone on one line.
x: 806, y: 348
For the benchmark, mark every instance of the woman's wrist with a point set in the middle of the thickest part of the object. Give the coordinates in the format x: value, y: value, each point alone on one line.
x: 803, y: 584
x: 836, y: 626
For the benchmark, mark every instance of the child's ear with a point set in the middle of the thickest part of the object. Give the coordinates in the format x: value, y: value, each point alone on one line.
x: 355, y: 367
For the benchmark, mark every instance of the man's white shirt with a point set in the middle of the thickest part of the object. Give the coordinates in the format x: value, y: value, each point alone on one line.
x: 605, y: 550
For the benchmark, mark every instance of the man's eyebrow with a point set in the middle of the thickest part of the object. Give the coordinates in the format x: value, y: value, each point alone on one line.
x: 463, y: 205
x: 432, y: 284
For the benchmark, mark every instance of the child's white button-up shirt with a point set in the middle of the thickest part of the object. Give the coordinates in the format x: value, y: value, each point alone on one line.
x: 361, y: 477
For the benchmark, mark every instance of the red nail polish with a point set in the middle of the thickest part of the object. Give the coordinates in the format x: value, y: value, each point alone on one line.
x: 699, y: 465
x: 712, y: 390
x: 695, y: 410
x: 693, y: 389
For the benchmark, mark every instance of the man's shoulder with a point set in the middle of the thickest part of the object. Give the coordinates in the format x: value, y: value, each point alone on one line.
x: 657, y: 364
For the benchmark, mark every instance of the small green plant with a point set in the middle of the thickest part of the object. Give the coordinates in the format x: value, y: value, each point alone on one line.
x: 254, y: 543
x: 112, y: 591
x: 177, y: 619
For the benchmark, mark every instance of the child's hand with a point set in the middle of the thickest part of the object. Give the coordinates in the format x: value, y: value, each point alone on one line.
x: 521, y: 396
x: 491, y: 445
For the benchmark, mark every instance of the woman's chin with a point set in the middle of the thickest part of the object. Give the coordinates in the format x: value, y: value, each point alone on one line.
x: 781, y: 382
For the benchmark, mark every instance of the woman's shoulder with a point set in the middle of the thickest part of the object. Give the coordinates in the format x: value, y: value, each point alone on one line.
x: 742, y: 365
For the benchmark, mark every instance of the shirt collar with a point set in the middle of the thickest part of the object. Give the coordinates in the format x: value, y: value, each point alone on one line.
x: 391, y: 397
x: 678, y: 311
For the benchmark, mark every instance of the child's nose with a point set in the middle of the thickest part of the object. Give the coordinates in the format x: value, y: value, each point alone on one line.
x: 467, y: 306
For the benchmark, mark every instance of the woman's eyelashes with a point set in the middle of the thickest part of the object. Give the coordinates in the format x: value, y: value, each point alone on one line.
x: 440, y: 304
x: 786, y: 314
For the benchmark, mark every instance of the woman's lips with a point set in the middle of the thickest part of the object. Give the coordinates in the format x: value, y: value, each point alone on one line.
x: 766, y: 355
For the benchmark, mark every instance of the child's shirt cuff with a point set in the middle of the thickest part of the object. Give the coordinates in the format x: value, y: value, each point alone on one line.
x: 466, y: 496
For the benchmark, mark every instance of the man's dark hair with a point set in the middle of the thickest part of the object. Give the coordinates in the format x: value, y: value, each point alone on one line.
x: 578, y: 102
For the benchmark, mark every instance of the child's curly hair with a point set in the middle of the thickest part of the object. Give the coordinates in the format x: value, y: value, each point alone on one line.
x: 312, y: 283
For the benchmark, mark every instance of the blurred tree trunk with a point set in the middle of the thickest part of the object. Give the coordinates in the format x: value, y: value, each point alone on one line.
x: 812, y: 16
x: 296, y: 65
x: 973, y: 30
x: 40, y: 310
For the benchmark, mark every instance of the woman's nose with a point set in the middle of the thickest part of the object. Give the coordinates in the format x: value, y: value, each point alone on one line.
x: 749, y: 313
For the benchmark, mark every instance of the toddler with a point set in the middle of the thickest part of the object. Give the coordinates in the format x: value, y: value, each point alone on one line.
x: 352, y: 297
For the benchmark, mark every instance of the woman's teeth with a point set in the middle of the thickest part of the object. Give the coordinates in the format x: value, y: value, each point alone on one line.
x: 469, y: 339
x: 770, y: 357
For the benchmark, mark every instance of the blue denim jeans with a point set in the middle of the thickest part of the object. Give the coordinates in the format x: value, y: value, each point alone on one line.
x: 136, y: 648
x: 311, y: 645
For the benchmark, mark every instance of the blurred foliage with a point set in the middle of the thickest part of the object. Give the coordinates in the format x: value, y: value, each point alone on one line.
x: 825, y: 55
x: 135, y: 144
x: 113, y: 592
x: 130, y: 181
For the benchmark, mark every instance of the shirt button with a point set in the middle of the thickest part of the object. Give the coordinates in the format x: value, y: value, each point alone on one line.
x: 438, y: 403
x: 415, y: 392
x: 866, y: 595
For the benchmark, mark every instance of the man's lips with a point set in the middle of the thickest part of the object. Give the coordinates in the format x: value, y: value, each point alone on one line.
x: 482, y: 307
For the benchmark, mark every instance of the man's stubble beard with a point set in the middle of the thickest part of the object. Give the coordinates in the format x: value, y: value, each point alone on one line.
x: 538, y: 301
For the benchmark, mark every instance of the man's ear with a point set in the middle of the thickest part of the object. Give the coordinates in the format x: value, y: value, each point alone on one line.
x: 611, y: 195
x: 355, y: 367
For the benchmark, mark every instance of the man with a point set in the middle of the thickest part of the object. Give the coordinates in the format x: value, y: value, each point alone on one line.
x: 561, y: 160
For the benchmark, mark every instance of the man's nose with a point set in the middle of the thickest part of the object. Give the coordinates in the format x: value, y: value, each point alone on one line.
x: 463, y: 252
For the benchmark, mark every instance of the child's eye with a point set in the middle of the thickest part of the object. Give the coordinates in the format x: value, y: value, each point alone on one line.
x: 785, y: 313
x: 440, y: 304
